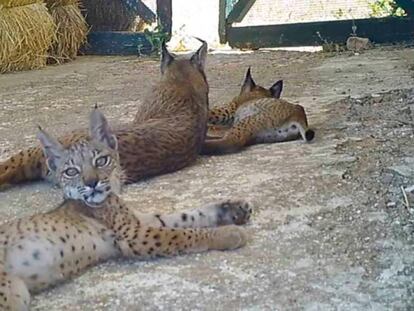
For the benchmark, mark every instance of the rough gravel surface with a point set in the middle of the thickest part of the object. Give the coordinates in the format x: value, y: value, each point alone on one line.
x: 332, y: 229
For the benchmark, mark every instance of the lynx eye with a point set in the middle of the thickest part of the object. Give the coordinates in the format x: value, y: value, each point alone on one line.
x: 102, y: 161
x: 71, y: 172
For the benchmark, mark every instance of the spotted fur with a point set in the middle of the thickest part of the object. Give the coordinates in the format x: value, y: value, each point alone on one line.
x: 93, y: 224
x: 224, y: 115
x: 256, y: 115
x: 166, y: 135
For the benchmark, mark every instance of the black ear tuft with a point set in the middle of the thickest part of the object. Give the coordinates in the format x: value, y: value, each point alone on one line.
x: 166, y: 57
x: 52, y: 149
x: 248, y: 83
x: 276, y: 89
x: 309, y: 135
x: 199, y: 57
x: 100, y: 131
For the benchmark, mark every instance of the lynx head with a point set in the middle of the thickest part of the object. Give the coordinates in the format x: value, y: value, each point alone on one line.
x: 88, y: 170
x: 250, y: 90
x: 182, y: 69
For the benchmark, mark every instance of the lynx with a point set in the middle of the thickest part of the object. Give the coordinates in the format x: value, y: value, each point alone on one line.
x: 166, y: 135
x: 224, y: 115
x: 257, y: 115
x: 93, y: 224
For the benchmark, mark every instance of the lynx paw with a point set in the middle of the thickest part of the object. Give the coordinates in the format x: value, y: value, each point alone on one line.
x: 228, y: 237
x: 235, y: 212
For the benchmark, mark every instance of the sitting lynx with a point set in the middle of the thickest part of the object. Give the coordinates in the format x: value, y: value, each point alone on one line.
x: 93, y: 224
x: 166, y: 135
x: 257, y: 115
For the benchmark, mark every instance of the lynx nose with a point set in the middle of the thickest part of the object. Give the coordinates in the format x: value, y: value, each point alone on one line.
x: 91, y: 182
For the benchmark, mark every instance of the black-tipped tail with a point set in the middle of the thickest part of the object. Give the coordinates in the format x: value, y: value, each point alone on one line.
x: 309, y: 135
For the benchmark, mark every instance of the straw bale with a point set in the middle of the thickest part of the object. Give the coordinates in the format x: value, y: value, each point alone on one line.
x: 16, y: 3
x: 26, y: 33
x: 55, y: 3
x: 71, y: 32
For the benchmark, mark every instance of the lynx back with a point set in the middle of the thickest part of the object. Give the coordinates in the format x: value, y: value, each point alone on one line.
x: 166, y: 135
x: 258, y: 115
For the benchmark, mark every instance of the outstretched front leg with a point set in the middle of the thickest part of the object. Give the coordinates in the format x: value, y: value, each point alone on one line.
x: 147, y: 242
x: 138, y: 240
x: 222, y: 115
x: 14, y: 295
x: 222, y: 213
x: 241, y: 134
x: 216, y: 132
x: 220, y: 119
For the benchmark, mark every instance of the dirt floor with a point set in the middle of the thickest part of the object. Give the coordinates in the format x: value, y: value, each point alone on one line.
x: 331, y: 230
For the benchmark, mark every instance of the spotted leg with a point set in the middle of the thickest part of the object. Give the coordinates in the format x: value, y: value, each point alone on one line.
x: 237, y: 137
x: 147, y: 242
x: 135, y: 239
x: 14, y: 295
x: 221, y: 213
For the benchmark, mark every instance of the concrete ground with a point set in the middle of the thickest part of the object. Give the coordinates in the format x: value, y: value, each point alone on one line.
x: 331, y: 230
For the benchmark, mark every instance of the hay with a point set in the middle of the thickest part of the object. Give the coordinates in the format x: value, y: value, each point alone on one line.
x: 26, y: 33
x: 108, y: 15
x: 16, y: 3
x: 54, y: 3
x: 71, y: 31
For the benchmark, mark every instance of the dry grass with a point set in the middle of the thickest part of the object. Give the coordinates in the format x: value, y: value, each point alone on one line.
x: 56, y: 3
x: 26, y: 33
x: 16, y: 3
x: 71, y: 31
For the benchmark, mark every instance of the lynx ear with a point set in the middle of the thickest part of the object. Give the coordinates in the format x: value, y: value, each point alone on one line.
x: 276, y: 89
x: 166, y: 57
x: 99, y: 130
x: 248, y: 83
x: 52, y: 149
x: 199, y: 57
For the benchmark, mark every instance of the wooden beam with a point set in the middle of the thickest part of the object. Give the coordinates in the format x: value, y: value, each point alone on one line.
x: 239, y: 11
x: 139, y: 8
x: 117, y: 43
x: 378, y: 30
x: 164, y: 13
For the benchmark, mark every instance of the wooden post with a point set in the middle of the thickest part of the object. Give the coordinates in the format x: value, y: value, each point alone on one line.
x: 164, y: 13
x: 222, y: 26
x: 140, y: 9
x: 239, y: 11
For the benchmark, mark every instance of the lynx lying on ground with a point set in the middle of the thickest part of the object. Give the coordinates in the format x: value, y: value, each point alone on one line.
x: 224, y: 115
x: 93, y: 224
x: 256, y: 116
x: 166, y: 135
